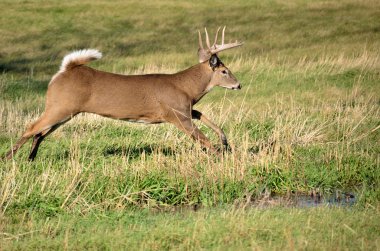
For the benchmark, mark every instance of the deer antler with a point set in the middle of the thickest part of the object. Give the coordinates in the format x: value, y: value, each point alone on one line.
x: 205, y: 54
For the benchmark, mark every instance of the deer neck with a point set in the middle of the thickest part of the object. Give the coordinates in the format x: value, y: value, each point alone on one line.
x: 198, y: 81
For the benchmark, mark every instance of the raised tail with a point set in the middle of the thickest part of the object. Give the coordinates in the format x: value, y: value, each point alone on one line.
x: 80, y: 57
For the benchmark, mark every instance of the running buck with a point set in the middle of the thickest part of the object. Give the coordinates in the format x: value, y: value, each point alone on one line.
x: 152, y: 98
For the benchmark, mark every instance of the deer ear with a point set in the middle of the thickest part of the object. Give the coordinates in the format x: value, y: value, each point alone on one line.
x: 214, y: 61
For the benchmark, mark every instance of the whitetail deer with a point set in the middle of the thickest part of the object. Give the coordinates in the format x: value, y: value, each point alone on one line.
x: 152, y: 98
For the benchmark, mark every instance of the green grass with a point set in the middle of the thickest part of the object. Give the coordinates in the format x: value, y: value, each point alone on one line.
x: 307, y: 119
x: 211, y: 229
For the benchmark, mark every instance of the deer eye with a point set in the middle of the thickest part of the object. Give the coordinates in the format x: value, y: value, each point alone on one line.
x: 224, y: 72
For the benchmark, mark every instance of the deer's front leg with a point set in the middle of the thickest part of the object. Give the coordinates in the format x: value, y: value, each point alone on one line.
x: 198, y: 115
x: 187, y: 126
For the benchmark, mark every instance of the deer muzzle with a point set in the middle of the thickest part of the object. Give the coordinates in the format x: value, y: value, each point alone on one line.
x: 237, y: 87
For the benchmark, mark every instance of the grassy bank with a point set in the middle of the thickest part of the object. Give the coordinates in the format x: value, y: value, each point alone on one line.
x: 307, y: 119
x: 210, y: 229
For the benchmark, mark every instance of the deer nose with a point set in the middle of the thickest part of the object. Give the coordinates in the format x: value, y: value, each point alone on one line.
x: 238, y: 87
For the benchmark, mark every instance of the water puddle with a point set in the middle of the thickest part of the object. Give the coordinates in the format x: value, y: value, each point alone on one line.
x: 314, y: 199
x: 266, y: 200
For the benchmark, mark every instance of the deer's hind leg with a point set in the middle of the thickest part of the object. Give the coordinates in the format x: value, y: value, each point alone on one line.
x: 16, y: 147
x: 38, y: 138
x: 44, y: 125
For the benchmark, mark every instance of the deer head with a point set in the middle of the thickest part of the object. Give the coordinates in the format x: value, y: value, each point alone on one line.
x: 222, y: 76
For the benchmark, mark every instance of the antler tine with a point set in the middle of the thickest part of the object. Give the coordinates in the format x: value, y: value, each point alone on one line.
x: 207, y: 40
x: 205, y: 54
x: 224, y: 28
x: 200, y: 40
x: 226, y: 47
x: 216, y: 37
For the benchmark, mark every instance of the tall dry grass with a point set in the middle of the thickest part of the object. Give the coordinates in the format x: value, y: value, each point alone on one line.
x: 265, y: 132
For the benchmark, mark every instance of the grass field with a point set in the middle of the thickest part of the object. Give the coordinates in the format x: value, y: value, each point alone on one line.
x: 307, y: 119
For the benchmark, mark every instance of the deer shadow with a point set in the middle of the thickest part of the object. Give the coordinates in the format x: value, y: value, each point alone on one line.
x: 133, y: 152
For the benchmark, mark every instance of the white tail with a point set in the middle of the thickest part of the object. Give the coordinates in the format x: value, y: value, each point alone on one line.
x: 80, y: 57
x: 152, y: 98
